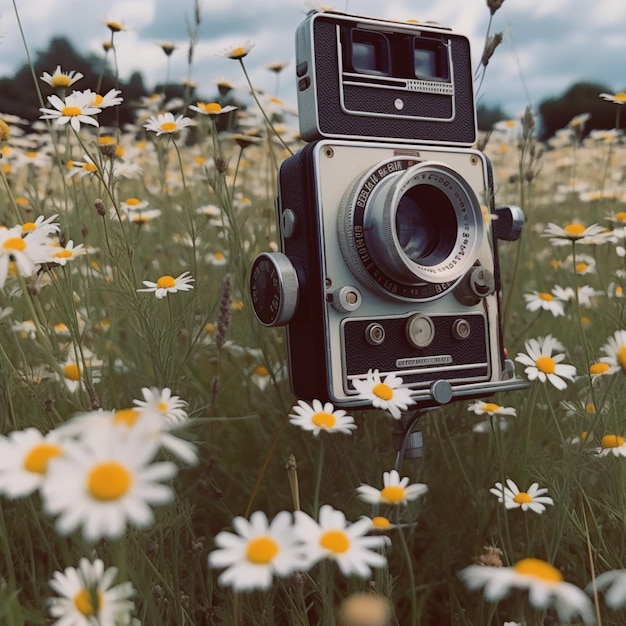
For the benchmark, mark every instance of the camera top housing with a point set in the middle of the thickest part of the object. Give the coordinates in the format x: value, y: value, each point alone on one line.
x: 372, y: 79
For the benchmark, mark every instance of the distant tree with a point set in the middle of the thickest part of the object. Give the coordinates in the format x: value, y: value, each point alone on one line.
x: 582, y: 97
x: 489, y: 115
x: 18, y: 95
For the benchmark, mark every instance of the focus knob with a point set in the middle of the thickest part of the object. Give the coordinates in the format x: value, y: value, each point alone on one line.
x: 477, y: 284
x: 273, y: 288
x: 510, y: 222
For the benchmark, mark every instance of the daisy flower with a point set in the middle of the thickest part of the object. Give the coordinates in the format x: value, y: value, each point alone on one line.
x: 346, y: 543
x: 26, y: 251
x: 395, y: 490
x: 544, y: 583
x: 542, y: 364
x: 105, y: 481
x: 212, y: 109
x: 79, y: 589
x: 490, y: 408
x: 613, y: 583
x: 163, y: 403
x: 237, y: 52
x: 578, y: 233
x: 150, y: 421
x: 544, y: 301
x: 61, y: 79
x: 24, y: 458
x: 166, y: 123
x: 45, y: 224
x: 387, y: 394
x: 63, y: 254
x: 533, y: 499
x: 612, y: 444
x: 168, y: 284
x: 77, y: 109
x: 616, y: 98
x: 257, y: 551
x: 318, y: 417
x: 110, y: 99
x: 615, y: 351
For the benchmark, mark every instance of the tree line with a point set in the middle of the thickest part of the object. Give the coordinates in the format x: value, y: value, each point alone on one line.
x: 18, y: 94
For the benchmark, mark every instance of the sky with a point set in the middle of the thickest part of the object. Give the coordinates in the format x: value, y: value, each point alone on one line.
x: 548, y: 45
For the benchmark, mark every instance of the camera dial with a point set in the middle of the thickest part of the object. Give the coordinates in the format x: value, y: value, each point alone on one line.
x: 410, y: 230
x: 273, y: 289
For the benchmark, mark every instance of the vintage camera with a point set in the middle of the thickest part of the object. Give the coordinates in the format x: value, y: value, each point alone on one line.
x: 386, y: 219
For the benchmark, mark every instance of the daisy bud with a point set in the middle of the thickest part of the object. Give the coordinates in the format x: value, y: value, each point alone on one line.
x: 494, y: 5
x: 490, y: 47
x: 100, y: 207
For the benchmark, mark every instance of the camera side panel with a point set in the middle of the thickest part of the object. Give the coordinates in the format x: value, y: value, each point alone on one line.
x: 300, y: 241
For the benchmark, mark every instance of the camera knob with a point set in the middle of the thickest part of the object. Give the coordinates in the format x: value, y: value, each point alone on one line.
x: 273, y: 288
x: 510, y: 222
x: 477, y: 284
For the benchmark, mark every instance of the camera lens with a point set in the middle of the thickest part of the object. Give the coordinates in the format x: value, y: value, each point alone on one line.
x: 410, y: 230
x: 425, y: 225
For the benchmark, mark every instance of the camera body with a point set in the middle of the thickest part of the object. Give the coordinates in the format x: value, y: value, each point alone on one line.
x: 386, y: 219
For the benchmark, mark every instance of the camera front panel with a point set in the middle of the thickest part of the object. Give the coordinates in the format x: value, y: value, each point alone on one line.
x: 391, y: 81
x: 346, y: 324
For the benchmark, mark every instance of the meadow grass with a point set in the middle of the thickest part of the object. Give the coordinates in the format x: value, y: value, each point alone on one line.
x: 80, y: 337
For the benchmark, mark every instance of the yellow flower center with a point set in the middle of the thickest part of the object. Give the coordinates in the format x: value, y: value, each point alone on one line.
x: 89, y: 167
x: 211, y: 107
x: 574, y: 230
x: 581, y: 267
x: 21, y: 200
x: 545, y: 364
x: 491, y: 407
x: 548, y: 297
x: 261, y: 370
x: 621, y: 357
x: 335, y: 541
x: 28, y: 227
x: 261, y: 550
x: 108, y: 481
x: 162, y: 406
x: 106, y: 140
x: 97, y: 101
x: 590, y: 408
x: 166, y: 282
x: 383, y: 391
x: 380, y: 522
x: 323, y: 420
x: 599, y: 368
x: 83, y: 603
x: 5, y: 131
x: 36, y: 461
x: 63, y: 254
x: 71, y: 371
x: 612, y: 441
x: 620, y: 97
x: 60, y: 80
x: 132, y: 201
x: 522, y: 498
x: 127, y: 417
x: 70, y: 111
x: 168, y: 127
x: 16, y: 244
x: 115, y: 27
x: 538, y: 569
x: 219, y: 256
x: 238, y: 52
x: 393, y: 493
x: 620, y: 216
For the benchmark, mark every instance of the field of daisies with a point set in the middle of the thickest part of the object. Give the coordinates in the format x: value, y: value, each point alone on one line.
x: 155, y: 467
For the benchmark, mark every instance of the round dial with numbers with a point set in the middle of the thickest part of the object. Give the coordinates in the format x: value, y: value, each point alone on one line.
x: 273, y: 288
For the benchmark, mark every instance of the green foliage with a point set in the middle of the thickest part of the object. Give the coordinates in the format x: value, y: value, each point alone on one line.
x: 582, y: 97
